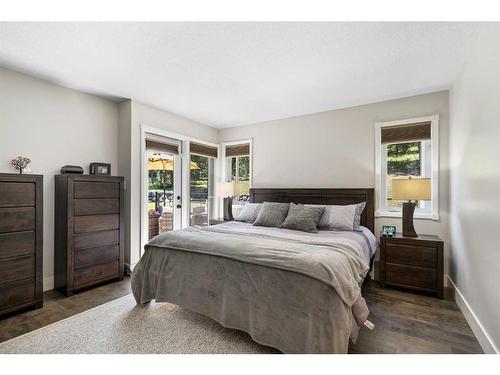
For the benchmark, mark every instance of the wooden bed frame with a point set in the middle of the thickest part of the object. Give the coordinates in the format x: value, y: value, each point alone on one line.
x: 339, y: 196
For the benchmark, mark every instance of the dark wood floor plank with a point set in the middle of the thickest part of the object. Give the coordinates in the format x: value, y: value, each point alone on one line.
x: 404, y: 322
x: 413, y: 323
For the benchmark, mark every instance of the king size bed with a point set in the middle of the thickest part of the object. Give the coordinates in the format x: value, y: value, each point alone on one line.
x: 295, y: 291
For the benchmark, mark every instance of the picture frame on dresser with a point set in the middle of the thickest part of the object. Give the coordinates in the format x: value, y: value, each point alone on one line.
x: 100, y: 169
x: 21, y: 242
x: 89, y: 231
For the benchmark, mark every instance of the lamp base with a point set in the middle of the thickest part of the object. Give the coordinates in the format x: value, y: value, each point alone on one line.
x: 408, y: 228
x: 228, y: 209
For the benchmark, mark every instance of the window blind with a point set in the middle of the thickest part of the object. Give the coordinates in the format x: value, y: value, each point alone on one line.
x: 205, y: 150
x: 162, y: 147
x: 238, y: 150
x: 404, y: 133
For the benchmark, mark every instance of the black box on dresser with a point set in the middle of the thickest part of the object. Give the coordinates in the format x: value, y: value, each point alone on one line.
x: 89, y: 231
x: 21, y: 242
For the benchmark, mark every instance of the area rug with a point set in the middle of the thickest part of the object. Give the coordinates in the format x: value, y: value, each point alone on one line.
x: 120, y: 326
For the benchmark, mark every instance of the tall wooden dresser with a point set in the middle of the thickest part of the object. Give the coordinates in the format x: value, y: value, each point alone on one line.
x: 89, y: 231
x: 21, y: 242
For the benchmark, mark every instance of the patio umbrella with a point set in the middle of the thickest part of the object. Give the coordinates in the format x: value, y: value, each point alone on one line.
x: 156, y: 164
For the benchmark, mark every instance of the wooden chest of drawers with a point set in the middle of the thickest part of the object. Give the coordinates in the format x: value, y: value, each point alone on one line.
x: 89, y: 232
x: 412, y: 262
x: 21, y: 242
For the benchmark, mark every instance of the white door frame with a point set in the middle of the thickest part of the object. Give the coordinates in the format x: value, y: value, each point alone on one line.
x: 185, y: 167
x: 178, y: 214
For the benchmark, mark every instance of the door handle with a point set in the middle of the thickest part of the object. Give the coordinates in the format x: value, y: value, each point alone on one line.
x: 178, y: 206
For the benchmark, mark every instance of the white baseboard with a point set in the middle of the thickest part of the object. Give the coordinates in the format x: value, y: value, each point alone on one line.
x: 48, y: 283
x: 476, y: 326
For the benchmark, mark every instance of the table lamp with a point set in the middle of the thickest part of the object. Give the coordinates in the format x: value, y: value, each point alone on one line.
x: 228, y: 190
x: 410, y: 189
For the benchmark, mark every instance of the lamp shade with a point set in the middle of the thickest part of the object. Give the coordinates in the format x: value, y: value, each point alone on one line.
x: 228, y: 189
x: 411, y: 189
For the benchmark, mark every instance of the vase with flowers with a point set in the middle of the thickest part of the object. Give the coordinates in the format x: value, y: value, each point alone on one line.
x: 20, y: 163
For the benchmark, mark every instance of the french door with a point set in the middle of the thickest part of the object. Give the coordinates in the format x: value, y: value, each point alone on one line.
x: 162, y: 186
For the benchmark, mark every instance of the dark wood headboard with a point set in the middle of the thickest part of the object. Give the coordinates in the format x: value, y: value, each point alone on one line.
x: 321, y: 196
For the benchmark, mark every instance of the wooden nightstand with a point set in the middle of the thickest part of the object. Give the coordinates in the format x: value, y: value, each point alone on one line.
x: 412, y: 262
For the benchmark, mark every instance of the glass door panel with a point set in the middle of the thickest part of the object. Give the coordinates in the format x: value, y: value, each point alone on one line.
x: 163, y: 192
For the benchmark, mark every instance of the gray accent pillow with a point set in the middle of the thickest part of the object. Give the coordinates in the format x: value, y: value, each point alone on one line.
x: 303, y: 218
x: 272, y: 214
x: 337, y: 217
x: 249, y: 212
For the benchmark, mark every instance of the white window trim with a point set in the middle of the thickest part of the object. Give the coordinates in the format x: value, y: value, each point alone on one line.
x: 379, y: 193
x: 223, y: 158
x: 186, y: 164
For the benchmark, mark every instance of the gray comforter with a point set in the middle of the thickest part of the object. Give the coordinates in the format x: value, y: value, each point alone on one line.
x: 292, y: 293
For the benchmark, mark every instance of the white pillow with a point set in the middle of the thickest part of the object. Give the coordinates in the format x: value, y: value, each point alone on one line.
x: 249, y: 212
x: 336, y: 217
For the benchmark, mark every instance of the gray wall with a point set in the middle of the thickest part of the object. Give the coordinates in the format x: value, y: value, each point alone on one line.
x: 53, y: 126
x: 336, y: 149
x: 124, y: 153
x: 475, y: 188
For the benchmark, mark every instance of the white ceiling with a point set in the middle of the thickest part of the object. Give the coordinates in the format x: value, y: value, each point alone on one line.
x: 229, y: 74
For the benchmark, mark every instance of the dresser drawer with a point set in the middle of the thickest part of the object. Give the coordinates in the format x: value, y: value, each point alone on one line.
x: 96, y: 206
x: 95, y: 223
x: 17, y: 219
x: 92, y: 274
x: 17, y: 293
x: 411, y: 255
x: 96, y: 255
x: 17, y: 268
x: 17, y: 243
x: 97, y: 189
x: 412, y: 276
x: 94, y: 239
x: 14, y: 194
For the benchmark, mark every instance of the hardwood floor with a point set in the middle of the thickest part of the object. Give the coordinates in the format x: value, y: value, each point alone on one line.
x: 57, y: 307
x: 404, y: 322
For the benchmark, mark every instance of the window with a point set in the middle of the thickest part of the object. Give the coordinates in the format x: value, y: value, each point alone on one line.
x: 240, y: 171
x: 406, y: 149
x: 238, y: 168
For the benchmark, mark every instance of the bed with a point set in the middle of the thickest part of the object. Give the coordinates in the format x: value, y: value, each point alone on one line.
x: 297, y: 292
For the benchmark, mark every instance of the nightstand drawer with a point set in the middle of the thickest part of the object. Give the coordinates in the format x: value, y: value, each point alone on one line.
x: 409, y: 275
x: 411, y: 255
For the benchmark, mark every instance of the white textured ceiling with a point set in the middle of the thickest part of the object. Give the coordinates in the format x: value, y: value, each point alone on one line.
x: 229, y: 74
